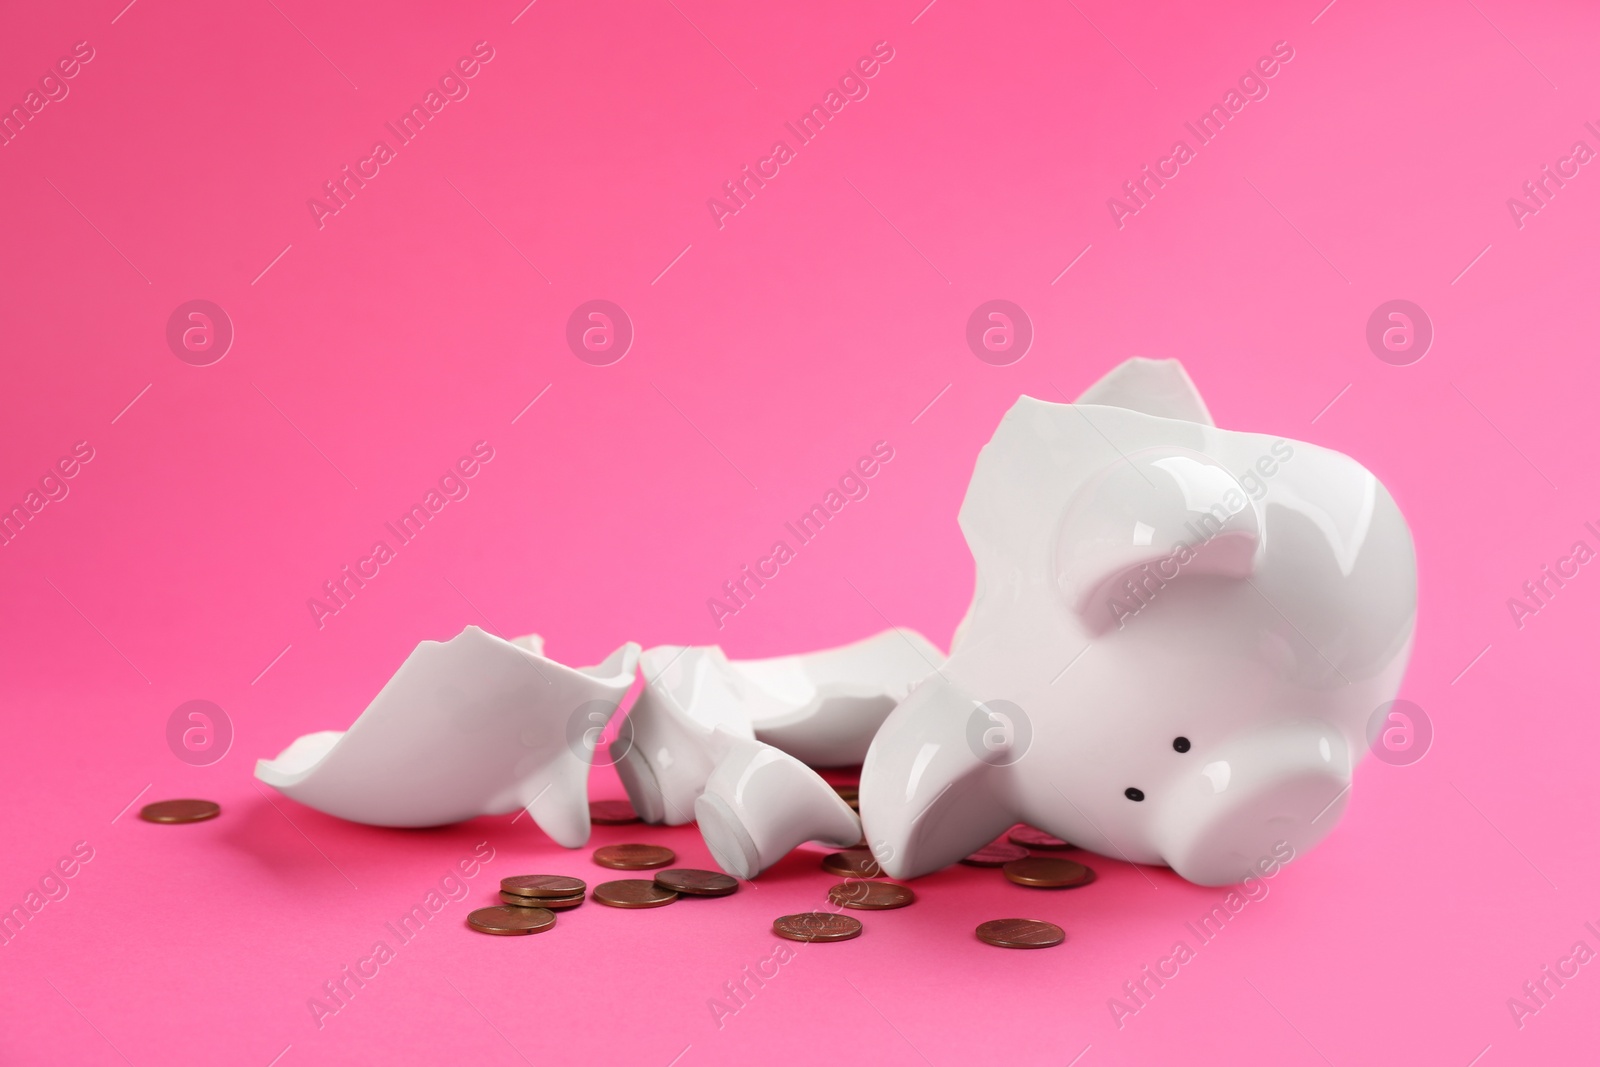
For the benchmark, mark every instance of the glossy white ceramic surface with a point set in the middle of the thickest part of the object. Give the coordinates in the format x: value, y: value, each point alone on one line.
x: 471, y: 726
x: 727, y: 743
x: 1143, y: 577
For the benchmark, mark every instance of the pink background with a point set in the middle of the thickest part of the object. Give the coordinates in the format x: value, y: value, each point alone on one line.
x: 826, y: 315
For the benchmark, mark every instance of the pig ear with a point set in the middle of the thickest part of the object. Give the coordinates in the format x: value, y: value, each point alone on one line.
x: 1152, y: 517
x: 1157, y: 387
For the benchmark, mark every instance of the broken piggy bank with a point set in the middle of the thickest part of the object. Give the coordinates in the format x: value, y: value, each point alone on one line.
x: 471, y: 726
x: 731, y: 744
x: 1177, y: 637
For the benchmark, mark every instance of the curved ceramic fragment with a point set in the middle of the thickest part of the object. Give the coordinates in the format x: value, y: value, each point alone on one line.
x: 1177, y: 637
x: 471, y: 726
x: 727, y: 743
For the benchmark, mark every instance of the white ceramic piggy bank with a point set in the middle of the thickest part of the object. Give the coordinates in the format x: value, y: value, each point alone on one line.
x: 1177, y: 638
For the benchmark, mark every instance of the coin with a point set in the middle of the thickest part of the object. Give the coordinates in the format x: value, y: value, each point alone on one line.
x: 633, y: 857
x: 852, y: 863
x: 542, y: 885
x: 553, y: 903
x: 511, y: 921
x: 173, y: 811
x: 816, y: 926
x: 996, y: 854
x: 612, y: 812
x: 871, y: 896
x: 1021, y: 933
x: 697, y: 883
x: 1030, y: 837
x: 1047, y: 872
x: 633, y: 893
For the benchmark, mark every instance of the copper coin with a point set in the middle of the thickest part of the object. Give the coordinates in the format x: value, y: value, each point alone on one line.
x: 996, y: 854
x: 1021, y: 933
x: 633, y: 893
x: 697, y: 883
x: 542, y: 885
x: 1047, y: 872
x: 817, y: 926
x: 612, y: 812
x: 553, y: 903
x: 511, y: 921
x: 850, y: 794
x: 173, y: 811
x: 871, y: 896
x: 1029, y: 837
x: 852, y: 863
x: 633, y: 857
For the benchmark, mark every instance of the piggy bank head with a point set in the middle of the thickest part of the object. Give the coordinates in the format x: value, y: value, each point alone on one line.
x: 1177, y: 637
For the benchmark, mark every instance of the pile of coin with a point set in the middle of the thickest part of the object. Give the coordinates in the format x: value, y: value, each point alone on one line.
x: 530, y: 902
x: 612, y: 813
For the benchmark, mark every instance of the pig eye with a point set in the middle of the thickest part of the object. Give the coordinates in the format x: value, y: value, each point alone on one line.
x: 1180, y: 744
x: 1133, y: 793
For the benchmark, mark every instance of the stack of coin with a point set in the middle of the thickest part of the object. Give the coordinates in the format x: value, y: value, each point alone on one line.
x: 633, y: 893
x: 1047, y: 872
x: 996, y: 854
x: 612, y: 813
x: 511, y: 921
x: 870, y: 896
x: 556, y: 892
x: 851, y: 795
x: 1021, y: 933
x: 693, y: 883
x: 1031, y: 837
x: 816, y: 926
x: 633, y: 857
x: 852, y: 863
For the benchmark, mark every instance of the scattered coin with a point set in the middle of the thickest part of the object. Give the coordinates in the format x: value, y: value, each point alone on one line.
x: 511, y: 921
x: 633, y: 857
x: 852, y: 863
x: 697, y: 883
x: 871, y: 896
x: 612, y: 812
x: 996, y: 854
x: 1029, y: 837
x: 542, y: 885
x: 1047, y: 872
x: 553, y: 903
x: 817, y: 926
x: 1021, y: 933
x: 174, y: 811
x: 633, y: 893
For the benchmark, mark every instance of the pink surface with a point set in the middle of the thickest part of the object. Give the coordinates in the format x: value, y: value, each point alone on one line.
x: 769, y: 351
